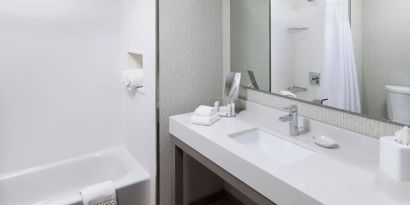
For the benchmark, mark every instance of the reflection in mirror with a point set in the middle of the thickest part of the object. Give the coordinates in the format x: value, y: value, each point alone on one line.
x: 348, y: 54
x: 249, y: 34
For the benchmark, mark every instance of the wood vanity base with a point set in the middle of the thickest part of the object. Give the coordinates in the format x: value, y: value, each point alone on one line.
x: 181, y: 148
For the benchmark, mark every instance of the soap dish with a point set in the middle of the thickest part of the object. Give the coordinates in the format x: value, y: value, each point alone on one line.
x: 324, y: 141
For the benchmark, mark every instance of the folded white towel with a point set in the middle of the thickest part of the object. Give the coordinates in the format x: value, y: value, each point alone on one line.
x: 99, y: 193
x: 201, y: 120
x: 205, y: 111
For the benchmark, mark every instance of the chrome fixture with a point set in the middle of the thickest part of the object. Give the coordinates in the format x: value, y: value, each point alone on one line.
x: 292, y: 118
x: 314, y: 78
x: 320, y: 101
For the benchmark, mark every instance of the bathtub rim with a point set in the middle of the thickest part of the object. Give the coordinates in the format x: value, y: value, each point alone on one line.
x: 135, y: 173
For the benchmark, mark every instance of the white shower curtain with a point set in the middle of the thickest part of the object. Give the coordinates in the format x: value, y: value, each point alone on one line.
x: 339, y: 76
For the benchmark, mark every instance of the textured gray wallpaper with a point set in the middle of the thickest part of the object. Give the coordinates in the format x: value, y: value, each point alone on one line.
x: 250, y: 41
x: 386, y: 51
x: 190, y: 74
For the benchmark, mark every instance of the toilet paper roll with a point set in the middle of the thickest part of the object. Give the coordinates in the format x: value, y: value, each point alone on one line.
x: 132, y: 78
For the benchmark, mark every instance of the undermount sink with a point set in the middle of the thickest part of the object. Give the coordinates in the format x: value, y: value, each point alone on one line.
x: 274, y: 147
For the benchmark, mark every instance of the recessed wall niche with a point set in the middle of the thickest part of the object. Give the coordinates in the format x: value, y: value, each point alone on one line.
x: 135, y: 59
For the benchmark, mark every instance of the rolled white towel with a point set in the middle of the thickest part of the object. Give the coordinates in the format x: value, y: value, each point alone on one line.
x: 99, y: 193
x: 201, y: 120
x: 205, y: 111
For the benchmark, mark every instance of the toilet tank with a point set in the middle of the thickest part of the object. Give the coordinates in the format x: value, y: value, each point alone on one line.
x: 398, y: 103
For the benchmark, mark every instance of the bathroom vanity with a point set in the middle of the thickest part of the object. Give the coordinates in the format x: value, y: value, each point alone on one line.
x: 254, y: 153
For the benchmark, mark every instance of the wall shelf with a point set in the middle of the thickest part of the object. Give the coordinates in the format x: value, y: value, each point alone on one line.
x: 136, y: 51
x: 297, y: 29
x: 135, y: 61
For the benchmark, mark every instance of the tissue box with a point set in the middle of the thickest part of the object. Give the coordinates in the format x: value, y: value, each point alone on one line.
x: 394, y: 159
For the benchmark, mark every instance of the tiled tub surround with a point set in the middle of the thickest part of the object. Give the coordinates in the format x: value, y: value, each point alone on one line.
x: 338, y: 118
x: 348, y: 174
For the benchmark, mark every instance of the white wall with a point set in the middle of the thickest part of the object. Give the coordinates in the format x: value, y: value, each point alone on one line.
x: 60, y: 81
x: 308, y: 45
x: 282, y: 71
x: 139, y: 111
x: 60, y: 94
x: 295, y: 54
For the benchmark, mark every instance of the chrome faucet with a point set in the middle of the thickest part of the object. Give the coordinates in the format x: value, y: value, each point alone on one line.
x: 292, y: 118
x: 320, y: 101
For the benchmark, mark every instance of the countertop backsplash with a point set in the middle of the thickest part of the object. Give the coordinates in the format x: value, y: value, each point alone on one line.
x: 353, y: 122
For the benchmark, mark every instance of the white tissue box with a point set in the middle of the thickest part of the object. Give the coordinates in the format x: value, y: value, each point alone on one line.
x: 394, y: 159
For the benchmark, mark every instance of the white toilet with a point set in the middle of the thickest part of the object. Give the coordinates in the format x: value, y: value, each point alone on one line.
x: 398, y: 103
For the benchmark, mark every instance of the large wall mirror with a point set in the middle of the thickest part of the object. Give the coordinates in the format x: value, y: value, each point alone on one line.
x: 347, y: 54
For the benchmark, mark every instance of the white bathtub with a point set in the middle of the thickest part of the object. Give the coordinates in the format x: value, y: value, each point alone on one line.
x: 60, y: 182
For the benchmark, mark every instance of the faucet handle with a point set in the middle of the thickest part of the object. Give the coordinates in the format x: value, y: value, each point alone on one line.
x: 291, y: 108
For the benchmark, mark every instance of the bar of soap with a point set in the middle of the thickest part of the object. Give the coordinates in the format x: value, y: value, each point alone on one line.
x: 324, y: 141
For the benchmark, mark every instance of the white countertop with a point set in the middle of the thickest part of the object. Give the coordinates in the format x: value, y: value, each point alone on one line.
x: 346, y: 176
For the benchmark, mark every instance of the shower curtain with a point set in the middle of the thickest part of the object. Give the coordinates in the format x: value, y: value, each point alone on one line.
x: 339, y: 77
